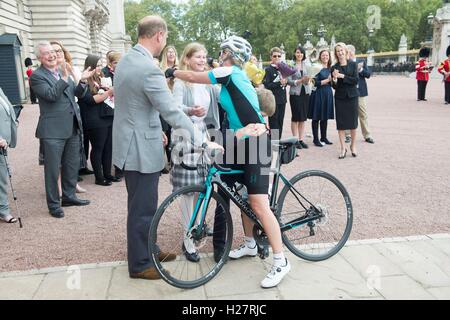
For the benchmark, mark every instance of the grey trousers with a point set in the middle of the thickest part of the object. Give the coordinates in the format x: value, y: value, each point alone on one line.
x: 4, y: 185
x: 61, y: 155
x: 142, y: 204
x: 363, y: 118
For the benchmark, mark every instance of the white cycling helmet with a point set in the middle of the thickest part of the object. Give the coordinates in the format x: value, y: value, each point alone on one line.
x: 239, y: 47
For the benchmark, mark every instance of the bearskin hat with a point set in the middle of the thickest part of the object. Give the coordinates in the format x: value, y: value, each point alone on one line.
x: 424, y: 52
x: 448, y: 51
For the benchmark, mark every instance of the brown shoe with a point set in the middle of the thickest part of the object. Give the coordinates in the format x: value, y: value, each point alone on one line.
x: 148, y: 274
x: 166, y: 256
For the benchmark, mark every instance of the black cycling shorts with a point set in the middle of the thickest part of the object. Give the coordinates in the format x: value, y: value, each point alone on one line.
x: 253, y: 156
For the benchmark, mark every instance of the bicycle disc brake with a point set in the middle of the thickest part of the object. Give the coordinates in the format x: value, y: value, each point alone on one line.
x: 324, y: 213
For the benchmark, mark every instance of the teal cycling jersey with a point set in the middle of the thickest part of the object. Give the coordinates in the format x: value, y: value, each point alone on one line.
x: 238, y: 97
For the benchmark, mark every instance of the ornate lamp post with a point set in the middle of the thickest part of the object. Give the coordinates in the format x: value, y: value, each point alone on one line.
x: 322, y: 44
x: 322, y: 31
x: 308, y: 45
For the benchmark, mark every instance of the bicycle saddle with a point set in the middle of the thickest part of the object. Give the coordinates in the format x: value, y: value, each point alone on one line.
x: 285, y: 143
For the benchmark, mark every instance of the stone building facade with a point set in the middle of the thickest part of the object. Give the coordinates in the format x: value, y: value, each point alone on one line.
x: 83, y: 26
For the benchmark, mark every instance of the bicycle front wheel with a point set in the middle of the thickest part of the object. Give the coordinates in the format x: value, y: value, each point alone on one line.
x: 315, y: 193
x: 202, y: 249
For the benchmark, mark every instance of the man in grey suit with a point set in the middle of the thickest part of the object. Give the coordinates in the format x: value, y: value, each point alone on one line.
x: 59, y: 129
x: 141, y: 94
x: 8, y: 138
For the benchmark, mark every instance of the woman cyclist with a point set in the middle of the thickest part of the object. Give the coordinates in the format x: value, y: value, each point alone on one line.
x: 239, y: 100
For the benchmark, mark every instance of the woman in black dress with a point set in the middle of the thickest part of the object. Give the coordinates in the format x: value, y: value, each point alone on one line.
x: 345, y: 81
x: 97, y: 119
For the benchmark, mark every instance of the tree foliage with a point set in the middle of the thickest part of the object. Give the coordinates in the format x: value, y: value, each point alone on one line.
x: 276, y: 22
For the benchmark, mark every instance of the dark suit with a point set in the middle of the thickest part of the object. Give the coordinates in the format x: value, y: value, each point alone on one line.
x: 346, y: 96
x: 59, y: 130
x: 272, y: 82
x: 347, y: 87
x: 363, y: 75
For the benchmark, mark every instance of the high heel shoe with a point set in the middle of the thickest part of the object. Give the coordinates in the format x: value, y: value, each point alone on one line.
x: 342, y: 156
x: 354, y: 154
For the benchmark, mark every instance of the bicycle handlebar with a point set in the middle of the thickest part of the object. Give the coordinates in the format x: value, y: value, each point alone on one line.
x: 202, y: 149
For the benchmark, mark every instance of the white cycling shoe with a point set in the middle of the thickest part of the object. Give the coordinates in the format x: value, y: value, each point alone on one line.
x: 275, y: 275
x: 243, y: 251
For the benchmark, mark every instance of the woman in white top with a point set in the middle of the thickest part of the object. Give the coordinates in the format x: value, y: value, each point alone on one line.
x: 199, y: 102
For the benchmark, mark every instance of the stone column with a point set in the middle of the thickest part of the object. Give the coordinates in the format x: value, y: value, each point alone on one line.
x: 121, y: 42
x: 441, y: 34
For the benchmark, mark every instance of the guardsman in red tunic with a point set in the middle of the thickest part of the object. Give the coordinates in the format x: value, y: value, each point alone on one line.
x: 444, y: 69
x: 423, y: 69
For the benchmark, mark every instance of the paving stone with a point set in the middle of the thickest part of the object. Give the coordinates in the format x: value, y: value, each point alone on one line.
x: 351, y: 243
x: 439, y: 236
x: 442, y: 244
x: 414, y: 264
x: 124, y: 288
x: 334, y: 278
x: 370, y: 241
x: 263, y: 295
x: 433, y: 254
x: 417, y: 238
x: 402, y: 288
x: 368, y: 261
x: 394, y: 239
x: 442, y: 293
x: 19, y: 288
x: 89, y: 284
x: 238, y: 276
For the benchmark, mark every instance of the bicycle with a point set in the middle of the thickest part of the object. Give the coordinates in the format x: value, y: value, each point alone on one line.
x: 312, y: 228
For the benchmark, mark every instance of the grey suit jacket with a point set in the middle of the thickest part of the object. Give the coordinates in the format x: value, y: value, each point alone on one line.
x: 141, y: 94
x: 8, y: 124
x: 296, y: 89
x: 57, y: 105
x: 184, y: 99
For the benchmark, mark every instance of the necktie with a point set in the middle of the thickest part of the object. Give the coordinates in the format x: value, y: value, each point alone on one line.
x: 56, y: 75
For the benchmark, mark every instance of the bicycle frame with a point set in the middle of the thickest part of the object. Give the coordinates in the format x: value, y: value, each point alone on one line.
x: 213, y: 178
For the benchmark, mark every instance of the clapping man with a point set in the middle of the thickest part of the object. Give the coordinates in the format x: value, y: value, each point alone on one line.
x: 59, y: 128
x: 364, y: 73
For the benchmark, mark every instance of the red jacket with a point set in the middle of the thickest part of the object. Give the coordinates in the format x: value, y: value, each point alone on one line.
x: 422, y: 71
x: 445, y: 67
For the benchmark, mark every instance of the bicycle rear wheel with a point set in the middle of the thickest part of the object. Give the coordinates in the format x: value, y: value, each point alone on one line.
x: 169, y: 233
x: 321, y: 194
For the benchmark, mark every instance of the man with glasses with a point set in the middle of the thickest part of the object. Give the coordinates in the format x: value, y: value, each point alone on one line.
x: 58, y: 128
x: 275, y: 83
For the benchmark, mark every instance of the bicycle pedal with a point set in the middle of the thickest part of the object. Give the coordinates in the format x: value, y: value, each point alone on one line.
x: 263, y: 252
